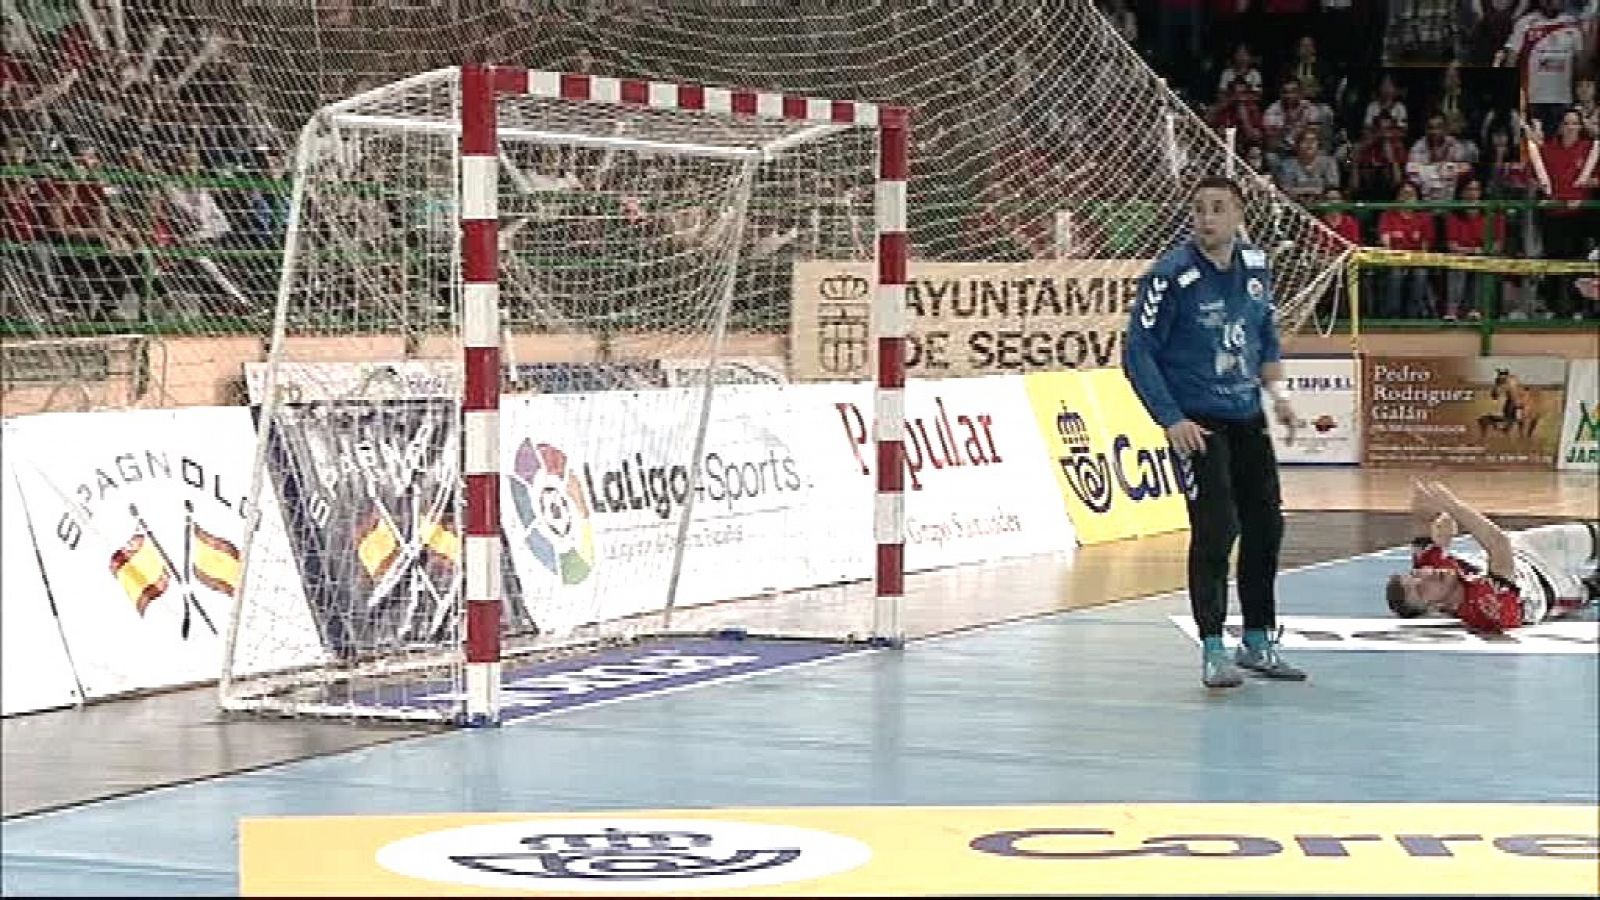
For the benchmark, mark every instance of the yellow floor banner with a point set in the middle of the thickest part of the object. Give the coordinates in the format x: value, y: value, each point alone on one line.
x: 1061, y: 850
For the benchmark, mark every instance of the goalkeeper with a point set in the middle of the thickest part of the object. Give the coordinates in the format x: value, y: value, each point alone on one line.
x: 1525, y: 578
x: 1202, y: 343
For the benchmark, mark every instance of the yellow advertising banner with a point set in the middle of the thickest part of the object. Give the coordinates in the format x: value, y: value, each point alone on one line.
x: 966, y: 318
x: 1115, y: 471
x: 1465, y: 412
x: 1059, y: 850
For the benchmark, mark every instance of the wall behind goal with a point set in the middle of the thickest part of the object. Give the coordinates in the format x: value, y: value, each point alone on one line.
x: 122, y: 529
x: 134, y: 519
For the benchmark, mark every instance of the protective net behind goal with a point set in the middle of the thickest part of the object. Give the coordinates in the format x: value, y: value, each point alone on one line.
x: 1040, y: 135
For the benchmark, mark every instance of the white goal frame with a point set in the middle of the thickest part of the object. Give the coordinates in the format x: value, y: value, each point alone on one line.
x: 477, y: 286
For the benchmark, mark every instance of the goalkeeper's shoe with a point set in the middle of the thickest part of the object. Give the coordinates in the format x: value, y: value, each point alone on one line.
x: 1264, y: 660
x: 1217, y: 671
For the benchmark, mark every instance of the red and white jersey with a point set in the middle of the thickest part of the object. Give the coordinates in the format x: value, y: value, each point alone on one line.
x: 1548, y: 50
x: 1487, y: 603
x: 1547, y: 560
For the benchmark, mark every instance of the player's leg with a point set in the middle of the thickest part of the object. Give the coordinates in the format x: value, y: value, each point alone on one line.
x: 1563, y: 555
x: 1260, y: 509
x: 1213, y: 526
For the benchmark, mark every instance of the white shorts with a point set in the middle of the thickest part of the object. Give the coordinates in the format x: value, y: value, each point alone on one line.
x: 1550, y: 561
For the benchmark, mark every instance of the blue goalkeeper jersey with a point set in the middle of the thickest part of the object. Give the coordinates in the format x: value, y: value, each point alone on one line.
x: 1198, y: 336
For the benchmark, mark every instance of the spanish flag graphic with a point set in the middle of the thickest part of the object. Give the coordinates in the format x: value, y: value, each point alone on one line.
x: 442, y: 541
x: 214, y: 561
x: 378, y: 547
x: 140, y: 570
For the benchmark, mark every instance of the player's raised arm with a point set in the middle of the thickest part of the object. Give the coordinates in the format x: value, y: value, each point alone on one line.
x: 1492, y: 538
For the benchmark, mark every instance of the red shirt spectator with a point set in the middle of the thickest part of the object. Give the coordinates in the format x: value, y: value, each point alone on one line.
x: 1407, y: 229
x: 1564, y: 158
x: 1380, y: 161
x: 13, y: 74
x: 1344, y: 225
x: 1240, y: 108
x: 1383, y: 147
x: 77, y: 49
x: 21, y: 223
x: 80, y: 204
x: 77, y: 202
x: 1464, y: 231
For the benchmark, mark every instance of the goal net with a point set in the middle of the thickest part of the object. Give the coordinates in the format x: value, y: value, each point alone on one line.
x: 486, y: 220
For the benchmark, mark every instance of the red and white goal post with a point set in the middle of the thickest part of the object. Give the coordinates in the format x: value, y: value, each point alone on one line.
x: 591, y: 165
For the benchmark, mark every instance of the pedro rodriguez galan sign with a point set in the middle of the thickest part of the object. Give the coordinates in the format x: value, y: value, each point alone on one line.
x: 966, y: 318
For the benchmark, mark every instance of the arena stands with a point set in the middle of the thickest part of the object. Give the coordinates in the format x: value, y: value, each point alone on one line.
x: 1428, y: 107
x: 144, y: 175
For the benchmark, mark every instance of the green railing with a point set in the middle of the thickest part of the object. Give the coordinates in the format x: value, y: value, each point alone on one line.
x: 1130, y: 227
x: 1490, y: 318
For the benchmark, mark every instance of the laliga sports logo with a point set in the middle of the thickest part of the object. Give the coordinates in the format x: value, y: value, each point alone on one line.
x: 1159, y: 472
x: 623, y: 855
x: 553, y: 512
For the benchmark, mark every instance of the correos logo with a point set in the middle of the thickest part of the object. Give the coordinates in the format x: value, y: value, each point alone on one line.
x: 1086, y: 472
x: 1140, y: 473
x: 631, y: 856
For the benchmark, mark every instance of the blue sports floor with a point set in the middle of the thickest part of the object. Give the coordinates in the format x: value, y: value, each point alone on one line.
x: 1096, y: 706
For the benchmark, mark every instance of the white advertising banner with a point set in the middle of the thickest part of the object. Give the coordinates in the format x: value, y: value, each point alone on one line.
x: 979, y: 481
x: 139, y: 519
x: 133, y: 522
x: 1580, y: 425
x: 594, y: 485
x: 1324, y: 393
x: 787, y: 491
x: 35, y: 672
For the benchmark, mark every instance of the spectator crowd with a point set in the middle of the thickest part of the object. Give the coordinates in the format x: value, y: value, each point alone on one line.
x: 1343, y: 103
x: 136, y: 162
x: 145, y: 142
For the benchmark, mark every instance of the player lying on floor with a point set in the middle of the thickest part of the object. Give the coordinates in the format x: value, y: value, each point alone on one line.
x: 1527, y: 578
